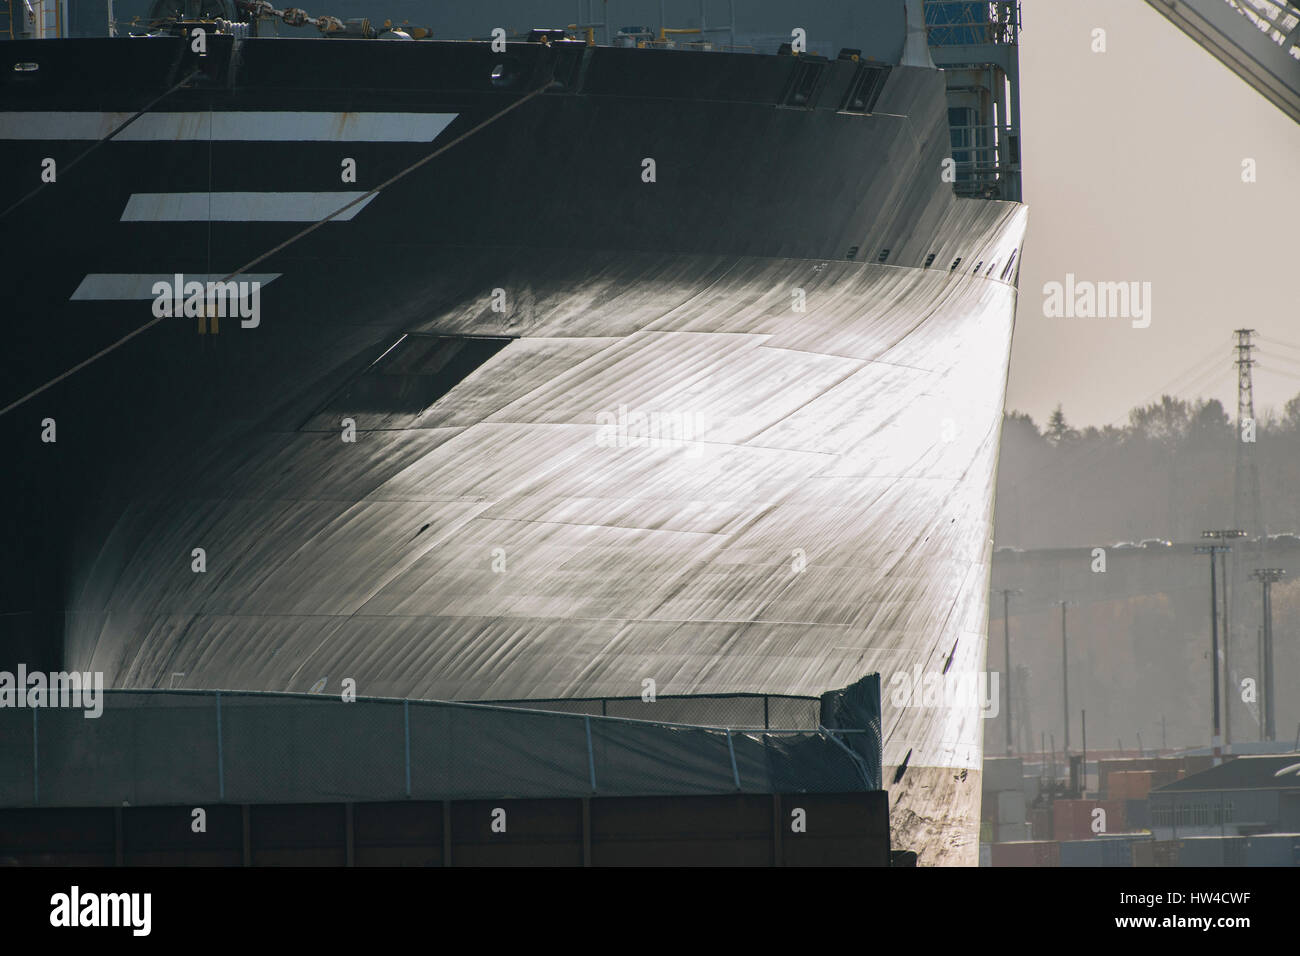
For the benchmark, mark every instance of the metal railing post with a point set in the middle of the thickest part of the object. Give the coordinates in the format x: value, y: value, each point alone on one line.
x: 731, y: 748
x: 221, y: 768
x: 406, y: 719
x: 591, y: 754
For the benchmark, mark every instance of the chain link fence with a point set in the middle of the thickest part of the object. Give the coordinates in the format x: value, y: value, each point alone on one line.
x: 734, y: 711
x: 164, y: 747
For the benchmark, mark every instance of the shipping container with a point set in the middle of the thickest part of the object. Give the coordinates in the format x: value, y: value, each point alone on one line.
x: 1081, y: 853
x: 1165, y: 769
x: 1212, y: 851
x: 1102, y: 850
x: 1032, y: 786
x: 1028, y: 853
x: 1011, y: 806
x: 1132, y: 784
x: 1013, y: 832
x: 1155, y: 853
x: 1074, y: 819
x: 1273, y: 849
x: 1002, y: 773
x: 1040, y: 823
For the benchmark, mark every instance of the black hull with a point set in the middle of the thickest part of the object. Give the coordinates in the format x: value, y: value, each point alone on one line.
x: 613, y: 285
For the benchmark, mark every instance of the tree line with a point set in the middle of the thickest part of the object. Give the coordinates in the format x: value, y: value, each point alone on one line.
x: 1169, y: 473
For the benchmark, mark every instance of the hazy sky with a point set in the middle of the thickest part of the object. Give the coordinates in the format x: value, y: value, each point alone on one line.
x: 1132, y: 164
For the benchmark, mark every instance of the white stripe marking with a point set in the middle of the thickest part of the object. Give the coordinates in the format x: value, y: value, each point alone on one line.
x: 129, y: 287
x: 240, y: 207
x: 229, y: 126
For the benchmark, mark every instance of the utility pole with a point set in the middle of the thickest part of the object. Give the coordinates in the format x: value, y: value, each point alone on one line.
x: 1259, y: 669
x: 1246, y: 510
x: 1025, y: 729
x: 1065, y: 684
x: 1228, y: 687
x: 1245, y: 507
x: 1083, y: 727
x: 1006, y: 651
x: 1222, y: 550
x: 1266, y: 577
x: 1216, y: 740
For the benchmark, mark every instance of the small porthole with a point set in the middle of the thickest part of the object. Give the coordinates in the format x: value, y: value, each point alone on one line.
x: 884, y: 254
x: 852, y: 253
x: 929, y: 260
x: 955, y: 263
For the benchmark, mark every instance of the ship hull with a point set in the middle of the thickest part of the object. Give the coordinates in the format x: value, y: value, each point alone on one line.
x: 821, y: 328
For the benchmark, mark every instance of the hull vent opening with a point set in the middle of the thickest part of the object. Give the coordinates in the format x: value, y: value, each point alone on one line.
x: 865, y: 89
x: 412, y: 374
x: 805, y: 83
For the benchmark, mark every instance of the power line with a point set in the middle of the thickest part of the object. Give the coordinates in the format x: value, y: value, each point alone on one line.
x: 1245, y: 483
x: 1276, y: 371
x: 1197, y: 386
x: 1271, y: 340
x: 1213, y: 361
x: 1281, y: 357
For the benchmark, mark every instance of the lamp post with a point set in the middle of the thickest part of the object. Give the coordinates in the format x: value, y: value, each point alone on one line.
x: 1266, y: 576
x: 1220, y: 535
x: 1216, y: 740
x: 1006, y: 654
x: 1065, y: 684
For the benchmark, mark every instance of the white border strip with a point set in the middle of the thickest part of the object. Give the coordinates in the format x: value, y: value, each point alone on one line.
x: 269, y: 126
x: 134, y: 286
x: 241, y: 207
